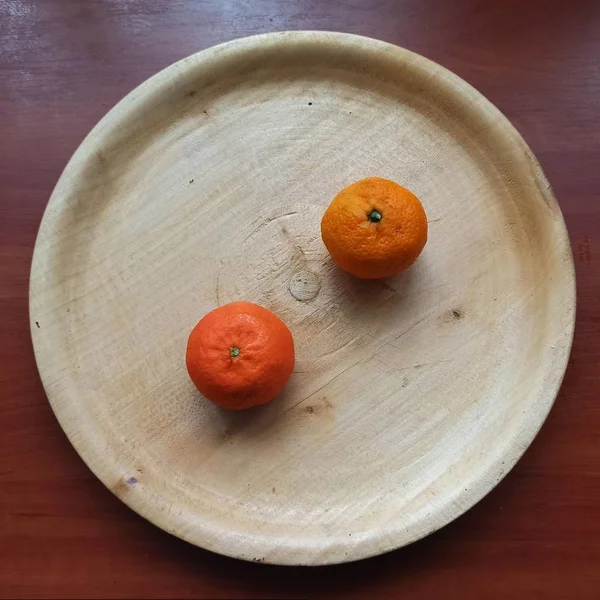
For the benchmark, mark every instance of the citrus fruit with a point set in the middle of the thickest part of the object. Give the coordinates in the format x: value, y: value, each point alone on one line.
x: 374, y: 228
x: 240, y: 355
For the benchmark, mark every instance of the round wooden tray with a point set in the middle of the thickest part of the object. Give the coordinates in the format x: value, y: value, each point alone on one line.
x: 412, y: 397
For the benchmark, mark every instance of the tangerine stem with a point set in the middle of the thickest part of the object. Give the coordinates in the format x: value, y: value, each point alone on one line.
x: 235, y: 351
x: 374, y: 216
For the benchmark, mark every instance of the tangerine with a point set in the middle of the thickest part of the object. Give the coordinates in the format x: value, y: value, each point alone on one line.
x: 240, y: 355
x: 374, y: 228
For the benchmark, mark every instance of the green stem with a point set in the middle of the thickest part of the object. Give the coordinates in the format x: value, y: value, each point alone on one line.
x: 374, y: 216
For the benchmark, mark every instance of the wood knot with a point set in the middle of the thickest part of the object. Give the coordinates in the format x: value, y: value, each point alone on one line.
x: 304, y: 286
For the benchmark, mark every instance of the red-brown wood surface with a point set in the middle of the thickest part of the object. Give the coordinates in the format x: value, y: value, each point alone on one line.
x: 63, y: 64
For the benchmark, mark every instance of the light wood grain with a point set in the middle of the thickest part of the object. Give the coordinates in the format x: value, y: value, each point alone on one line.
x: 411, y: 397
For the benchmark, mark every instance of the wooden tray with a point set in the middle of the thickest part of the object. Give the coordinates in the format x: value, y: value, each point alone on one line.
x: 412, y: 397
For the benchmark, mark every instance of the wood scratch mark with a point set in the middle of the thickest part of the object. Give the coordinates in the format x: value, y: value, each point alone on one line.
x: 433, y: 362
x: 381, y: 358
x: 318, y: 390
x: 411, y: 327
x: 331, y: 353
x: 267, y: 222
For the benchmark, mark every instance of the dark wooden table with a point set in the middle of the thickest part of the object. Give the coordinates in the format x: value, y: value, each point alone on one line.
x: 63, y: 64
